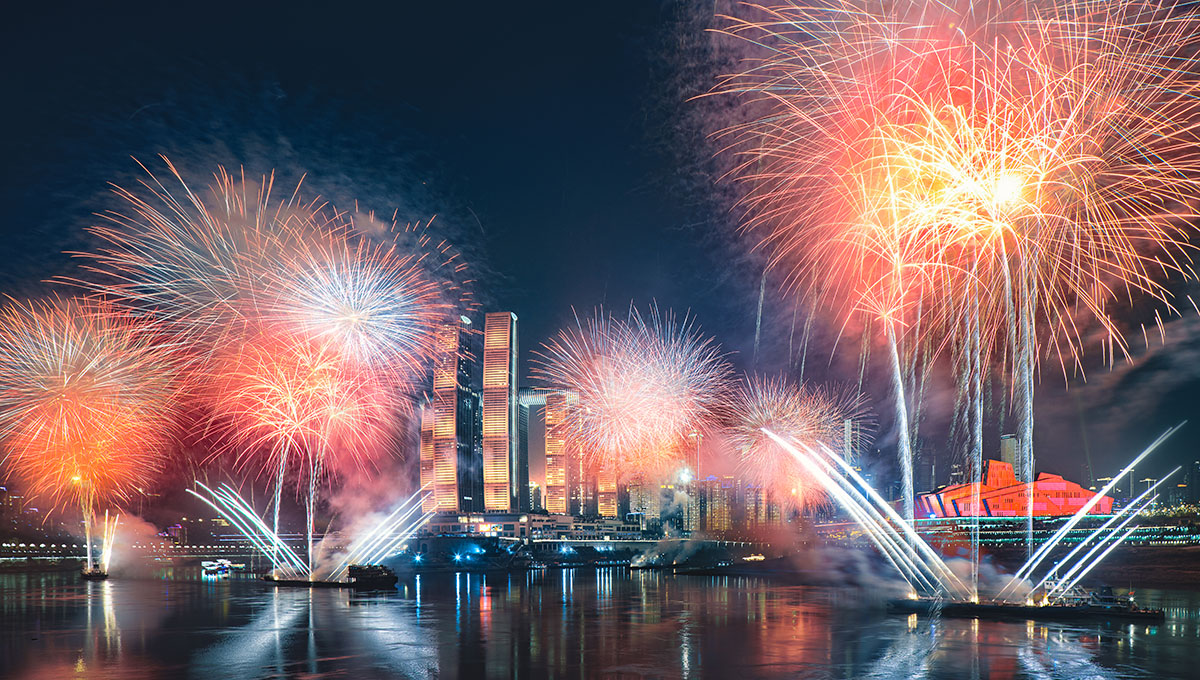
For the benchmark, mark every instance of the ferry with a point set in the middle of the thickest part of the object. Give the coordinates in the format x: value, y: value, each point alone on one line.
x: 93, y: 572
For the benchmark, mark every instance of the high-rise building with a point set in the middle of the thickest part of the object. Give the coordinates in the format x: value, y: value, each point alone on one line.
x: 645, y: 501
x: 1008, y: 450
x: 450, y: 457
x: 504, y: 490
x: 606, y: 493
x: 719, y: 500
x: 851, y: 440
x: 560, y: 471
x: 523, y: 456
x: 761, y: 508
x: 691, y: 483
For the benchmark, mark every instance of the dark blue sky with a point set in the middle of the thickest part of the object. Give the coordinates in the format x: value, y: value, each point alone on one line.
x: 555, y: 141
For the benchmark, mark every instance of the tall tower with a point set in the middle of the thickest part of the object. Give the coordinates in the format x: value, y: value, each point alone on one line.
x: 606, y: 493
x: 501, y: 462
x: 450, y: 466
x: 524, y: 490
x: 560, y: 473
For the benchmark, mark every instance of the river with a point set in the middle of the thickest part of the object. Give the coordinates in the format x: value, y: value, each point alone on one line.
x: 580, y: 623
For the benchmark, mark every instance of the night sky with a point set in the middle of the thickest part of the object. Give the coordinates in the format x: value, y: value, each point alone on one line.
x: 557, y: 144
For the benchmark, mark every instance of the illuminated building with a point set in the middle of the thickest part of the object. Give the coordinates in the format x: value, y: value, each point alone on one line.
x: 645, y: 501
x: 761, y: 509
x: 606, y: 493
x: 449, y: 457
x: 522, y: 460
x: 691, y: 483
x: 503, y: 486
x: 1001, y: 495
x: 560, y: 472
x: 718, y: 503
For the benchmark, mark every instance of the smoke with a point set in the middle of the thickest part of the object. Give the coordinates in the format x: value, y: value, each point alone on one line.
x: 993, y: 579
x: 128, y: 561
x: 839, y: 566
x: 667, y: 552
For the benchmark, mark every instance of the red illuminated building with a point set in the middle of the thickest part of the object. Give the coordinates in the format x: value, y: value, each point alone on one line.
x: 1001, y: 495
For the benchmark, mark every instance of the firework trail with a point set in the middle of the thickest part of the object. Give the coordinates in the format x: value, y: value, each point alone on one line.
x: 643, y: 384
x: 87, y: 404
x: 801, y: 414
x: 1015, y: 172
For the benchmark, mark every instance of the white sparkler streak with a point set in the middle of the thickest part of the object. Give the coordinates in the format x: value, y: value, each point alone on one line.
x: 392, y: 546
x: 110, y: 537
x: 1066, y: 582
x: 381, y: 540
x: 1099, y: 559
x: 1067, y: 577
x: 1132, y: 509
x: 882, y: 532
x: 238, y: 513
x: 879, y: 534
x: 1040, y: 554
x: 914, y: 539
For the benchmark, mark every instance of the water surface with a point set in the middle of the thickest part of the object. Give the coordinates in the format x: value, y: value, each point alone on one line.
x: 583, y: 623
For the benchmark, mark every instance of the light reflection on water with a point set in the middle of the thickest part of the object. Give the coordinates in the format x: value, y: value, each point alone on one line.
x: 606, y: 622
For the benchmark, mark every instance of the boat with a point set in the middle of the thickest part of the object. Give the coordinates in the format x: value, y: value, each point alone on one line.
x: 93, y: 573
x: 1096, y: 606
x: 372, y: 577
x: 360, y: 577
x: 216, y: 568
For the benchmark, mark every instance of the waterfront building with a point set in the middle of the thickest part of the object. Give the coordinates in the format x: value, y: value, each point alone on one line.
x: 1001, y: 495
x: 527, y: 526
x: 503, y: 469
x: 606, y: 494
x: 450, y: 460
x: 719, y: 500
x: 561, y: 468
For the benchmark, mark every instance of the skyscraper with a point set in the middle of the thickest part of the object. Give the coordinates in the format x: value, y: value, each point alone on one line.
x: 560, y: 472
x: 450, y: 460
x: 502, y: 468
x: 523, y: 458
x: 606, y: 493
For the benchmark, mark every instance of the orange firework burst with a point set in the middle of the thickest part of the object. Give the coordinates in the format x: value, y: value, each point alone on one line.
x: 989, y: 177
x: 86, y: 403
x: 640, y: 387
x: 292, y: 281
x: 298, y: 402
x: 809, y: 416
x: 1043, y: 158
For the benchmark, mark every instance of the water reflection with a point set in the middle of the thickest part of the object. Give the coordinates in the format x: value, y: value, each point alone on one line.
x: 582, y: 623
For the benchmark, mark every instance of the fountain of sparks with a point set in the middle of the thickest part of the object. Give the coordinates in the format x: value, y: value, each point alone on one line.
x: 379, y: 541
x: 226, y: 501
x: 926, y: 572
x: 1043, y: 551
x: 920, y: 566
x: 386, y: 538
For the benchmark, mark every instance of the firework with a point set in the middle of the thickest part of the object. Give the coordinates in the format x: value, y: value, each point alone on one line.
x: 86, y: 403
x: 984, y: 178
x: 799, y: 413
x: 307, y: 334
x: 291, y: 404
x: 371, y: 304
x: 217, y: 268
x: 643, y: 384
